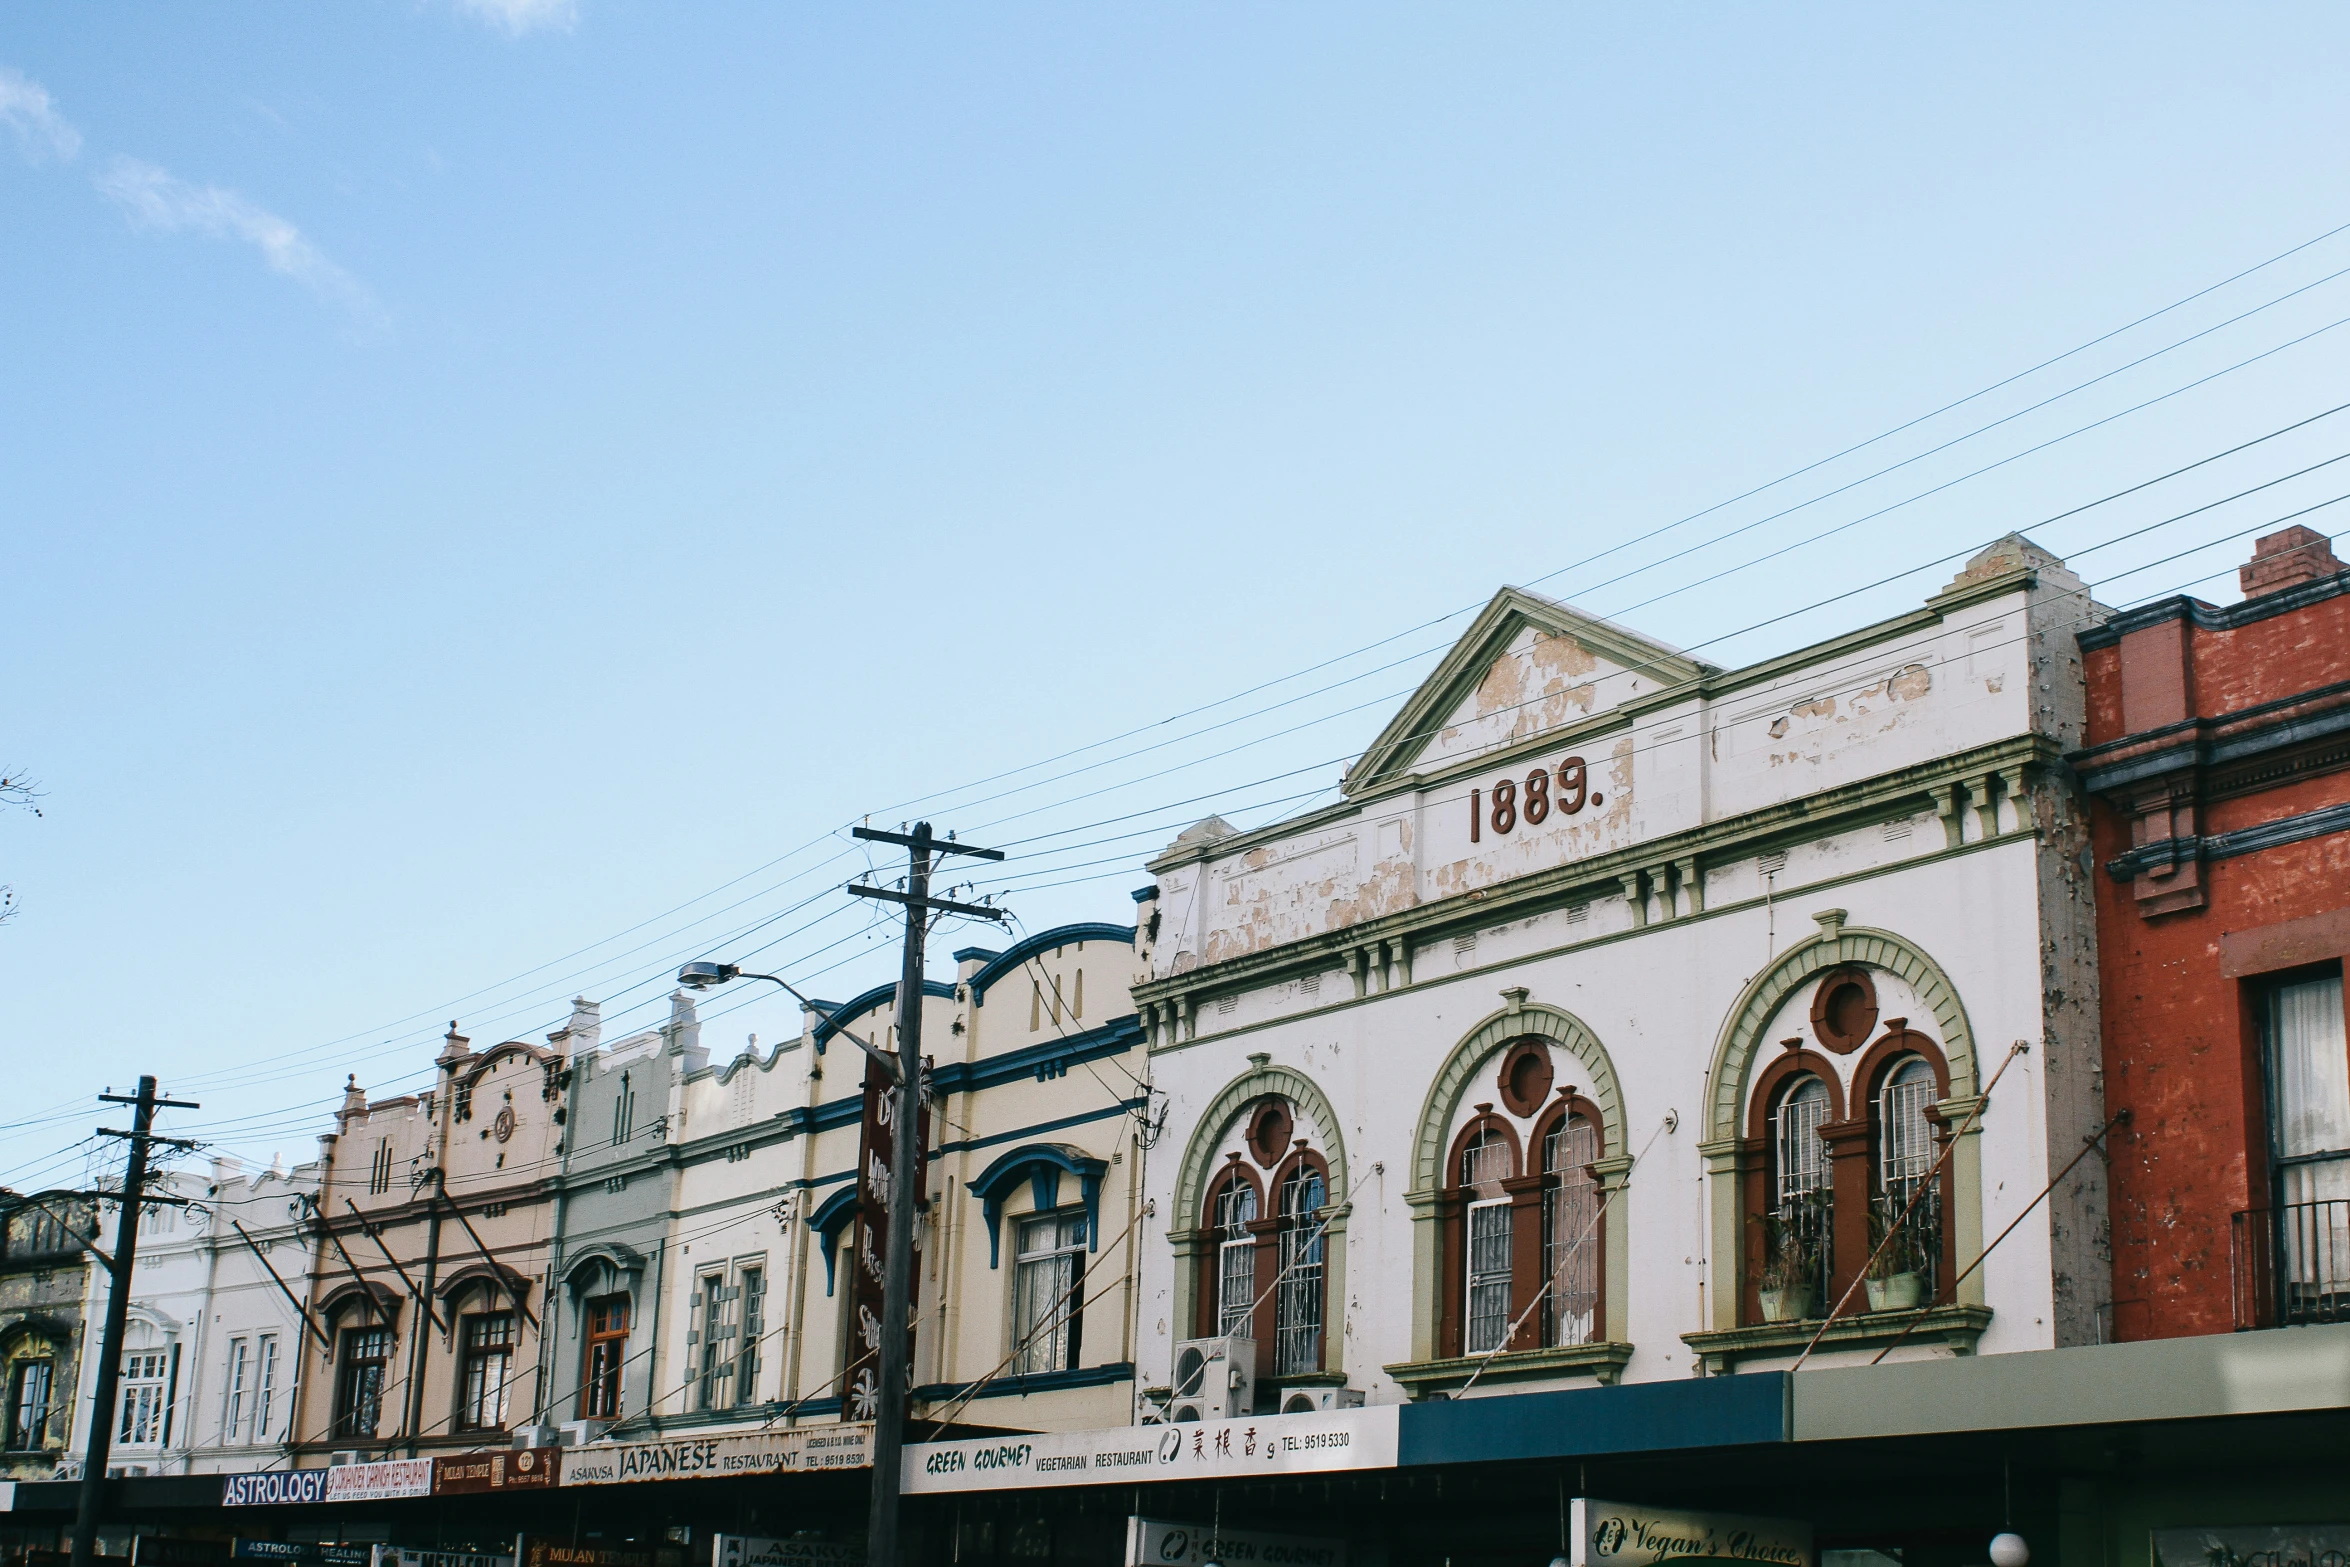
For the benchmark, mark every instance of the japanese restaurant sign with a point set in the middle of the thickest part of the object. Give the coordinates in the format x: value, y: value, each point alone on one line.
x: 1617, y: 1534
x: 1321, y: 1442
x: 795, y: 1451
x: 759, y: 1550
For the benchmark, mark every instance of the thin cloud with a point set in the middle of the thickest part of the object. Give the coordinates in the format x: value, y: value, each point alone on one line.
x: 156, y: 199
x: 28, y: 110
x: 517, y: 17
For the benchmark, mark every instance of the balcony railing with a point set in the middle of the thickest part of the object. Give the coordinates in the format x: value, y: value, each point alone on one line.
x: 2291, y: 1264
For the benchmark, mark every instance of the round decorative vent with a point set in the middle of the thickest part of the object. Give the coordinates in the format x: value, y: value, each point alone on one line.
x: 1269, y: 1131
x: 1526, y: 1076
x: 1844, y: 1009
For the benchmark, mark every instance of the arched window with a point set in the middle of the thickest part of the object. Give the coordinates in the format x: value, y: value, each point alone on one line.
x: 1235, y: 1256
x: 1485, y: 1162
x: 1570, y: 1231
x: 1799, y: 1244
x: 1906, y: 1229
x: 1297, y: 1326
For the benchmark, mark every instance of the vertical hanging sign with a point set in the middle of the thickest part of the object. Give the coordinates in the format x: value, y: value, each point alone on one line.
x: 876, y: 1148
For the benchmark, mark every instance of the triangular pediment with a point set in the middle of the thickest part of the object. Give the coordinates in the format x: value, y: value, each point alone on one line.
x: 1526, y: 666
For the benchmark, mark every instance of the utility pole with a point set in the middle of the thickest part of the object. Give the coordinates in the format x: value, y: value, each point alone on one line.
x: 118, y: 1303
x: 897, y: 1295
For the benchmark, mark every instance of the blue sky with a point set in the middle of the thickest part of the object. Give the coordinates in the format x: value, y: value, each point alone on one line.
x: 477, y: 478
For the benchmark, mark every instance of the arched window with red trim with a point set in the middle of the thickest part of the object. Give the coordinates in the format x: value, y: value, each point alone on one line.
x: 1572, y: 1220
x: 1799, y: 1243
x: 1298, y: 1297
x: 1229, y: 1288
x: 1904, y: 1077
x: 1488, y: 1157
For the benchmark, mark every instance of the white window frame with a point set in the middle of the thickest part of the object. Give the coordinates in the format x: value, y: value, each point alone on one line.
x: 1048, y: 1269
x: 232, y: 1418
x: 140, y: 1398
x: 264, y: 1383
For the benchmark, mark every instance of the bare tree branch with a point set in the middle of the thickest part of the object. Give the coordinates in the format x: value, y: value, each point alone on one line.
x: 24, y: 794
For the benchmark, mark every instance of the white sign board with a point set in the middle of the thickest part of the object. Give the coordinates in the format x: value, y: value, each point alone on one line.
x: 1617, y: 1534
x: 794, y: 1451
x: 1269, y: 1445
x: 403, y: 1556
x: 2284, y: 1545
x: 380, y: 1481
x: 758, y: 1550
x: 1155, y: 1542
x: 7, y: 1496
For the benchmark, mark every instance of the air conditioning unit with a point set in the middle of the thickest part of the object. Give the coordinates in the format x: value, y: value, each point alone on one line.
x: 1320, y: 1400
x: 347, y: 1455
x: 1215, y: 1379
x: 578, y: 1433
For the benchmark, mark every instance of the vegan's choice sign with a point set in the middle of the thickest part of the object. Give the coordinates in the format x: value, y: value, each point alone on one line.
x: 714, y: 1457
x: 1316, y: 1443
x: 1614, y: 1534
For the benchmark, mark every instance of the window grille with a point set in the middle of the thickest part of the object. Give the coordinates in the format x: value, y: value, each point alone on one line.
x: 1048, y: 1293
x: 1485, y: 1164
x: 28, y: 1405
x: 1236, y: 1259
x: 141, y: 1400
x: 487, y: 1372
x: 1298, y: 1303
x: 1570, y: 1231
x: 359, y: 1390
x: 1908, y: 1204
x: 1801, y: 1179
x: 1489, y: 1275
x: 607, y: 1351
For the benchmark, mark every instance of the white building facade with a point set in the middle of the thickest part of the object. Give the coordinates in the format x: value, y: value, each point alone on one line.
x: 1629, y: 1017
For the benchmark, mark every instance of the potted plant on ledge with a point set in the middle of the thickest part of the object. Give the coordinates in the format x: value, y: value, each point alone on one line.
x: 1788, y: 1285
x: 1894, y: 1283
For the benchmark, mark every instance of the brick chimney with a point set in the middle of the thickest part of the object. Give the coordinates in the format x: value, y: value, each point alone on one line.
x: 2286, y: 560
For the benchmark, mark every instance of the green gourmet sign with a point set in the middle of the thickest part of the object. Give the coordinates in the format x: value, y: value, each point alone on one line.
x: 797, y: 1450
x: 1617, y: 1534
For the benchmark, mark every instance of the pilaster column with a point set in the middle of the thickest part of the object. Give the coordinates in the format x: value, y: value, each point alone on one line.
x: 1848, y: 1185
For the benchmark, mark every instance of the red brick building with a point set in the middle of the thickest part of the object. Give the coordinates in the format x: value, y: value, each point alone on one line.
x: 2219, y: 765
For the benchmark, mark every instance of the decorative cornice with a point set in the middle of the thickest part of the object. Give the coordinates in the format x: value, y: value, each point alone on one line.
x: 1813, y: 816
x: 2164, y: 853
x: 2248, y: 734
x: 1014, y: 956
x: 2212, y: 617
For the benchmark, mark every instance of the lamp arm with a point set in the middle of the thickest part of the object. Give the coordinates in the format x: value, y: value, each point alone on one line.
x: 888, y: 1062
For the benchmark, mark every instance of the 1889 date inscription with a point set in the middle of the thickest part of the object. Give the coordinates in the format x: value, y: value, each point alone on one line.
x: 1532, y: 801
